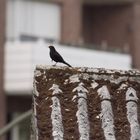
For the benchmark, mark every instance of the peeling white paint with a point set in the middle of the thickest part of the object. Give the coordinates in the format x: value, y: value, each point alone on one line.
x: 74, y: 78
x: 66, y: 81
x: 81, y: 69
x: 123, y: 87
x: 98, y: 117
x: 67, y: 109
x: 104, y: 93
x: 74, y: 97
x: 51, y: 67
x: 80, y: 89
x: 56, y: 116
x: 131, y: 94
x: 56, y: 89
x: 35, y: 92
x: 106, y: 114
x: 44, y: 77
x: 37, y: 73
x: 94, y: 84
x: 132, y: 114
x: 85, y: 76
x: 82, y: 113
x: 106, y: 77
x: 110, y: 78
x: 109, y: 71
x: 35, y: 128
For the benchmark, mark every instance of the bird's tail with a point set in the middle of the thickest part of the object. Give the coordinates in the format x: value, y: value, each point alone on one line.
x: 67, y: 64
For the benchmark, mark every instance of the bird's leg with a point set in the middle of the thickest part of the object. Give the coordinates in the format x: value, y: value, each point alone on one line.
x: 55, y: 64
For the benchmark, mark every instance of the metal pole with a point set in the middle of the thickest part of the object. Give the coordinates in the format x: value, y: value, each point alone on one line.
x: 16, y: 121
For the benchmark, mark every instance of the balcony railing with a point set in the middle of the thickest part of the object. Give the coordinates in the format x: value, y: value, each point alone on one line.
x: 101, y: 2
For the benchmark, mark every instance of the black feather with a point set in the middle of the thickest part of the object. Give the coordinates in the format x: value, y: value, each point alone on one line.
x: 55, y: 56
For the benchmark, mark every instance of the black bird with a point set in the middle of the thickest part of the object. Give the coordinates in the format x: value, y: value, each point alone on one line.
x: 55, y: 56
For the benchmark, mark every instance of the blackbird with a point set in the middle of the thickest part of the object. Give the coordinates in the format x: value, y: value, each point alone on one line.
x: 55, y: 56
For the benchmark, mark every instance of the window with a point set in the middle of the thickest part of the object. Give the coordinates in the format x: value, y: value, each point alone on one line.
x: 32, y: 18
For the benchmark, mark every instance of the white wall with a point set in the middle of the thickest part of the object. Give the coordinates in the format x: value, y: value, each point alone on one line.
x: 34, y: 18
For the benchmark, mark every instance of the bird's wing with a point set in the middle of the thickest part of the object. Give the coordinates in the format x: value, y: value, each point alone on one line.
x: 58, y: 56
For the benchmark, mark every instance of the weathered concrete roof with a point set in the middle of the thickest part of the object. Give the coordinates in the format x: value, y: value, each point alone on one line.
x: 86, y: 104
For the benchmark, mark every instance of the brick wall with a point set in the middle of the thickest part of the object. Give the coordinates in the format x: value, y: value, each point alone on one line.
x: 110, y: 24
x: 135, y: 50
x: 71, y: 21
x: 2, y: 38
x: 115, y: 26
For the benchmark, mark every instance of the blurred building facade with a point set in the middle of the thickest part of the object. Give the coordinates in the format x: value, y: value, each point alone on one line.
x: 109, y: 25
x: 2, y: 40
